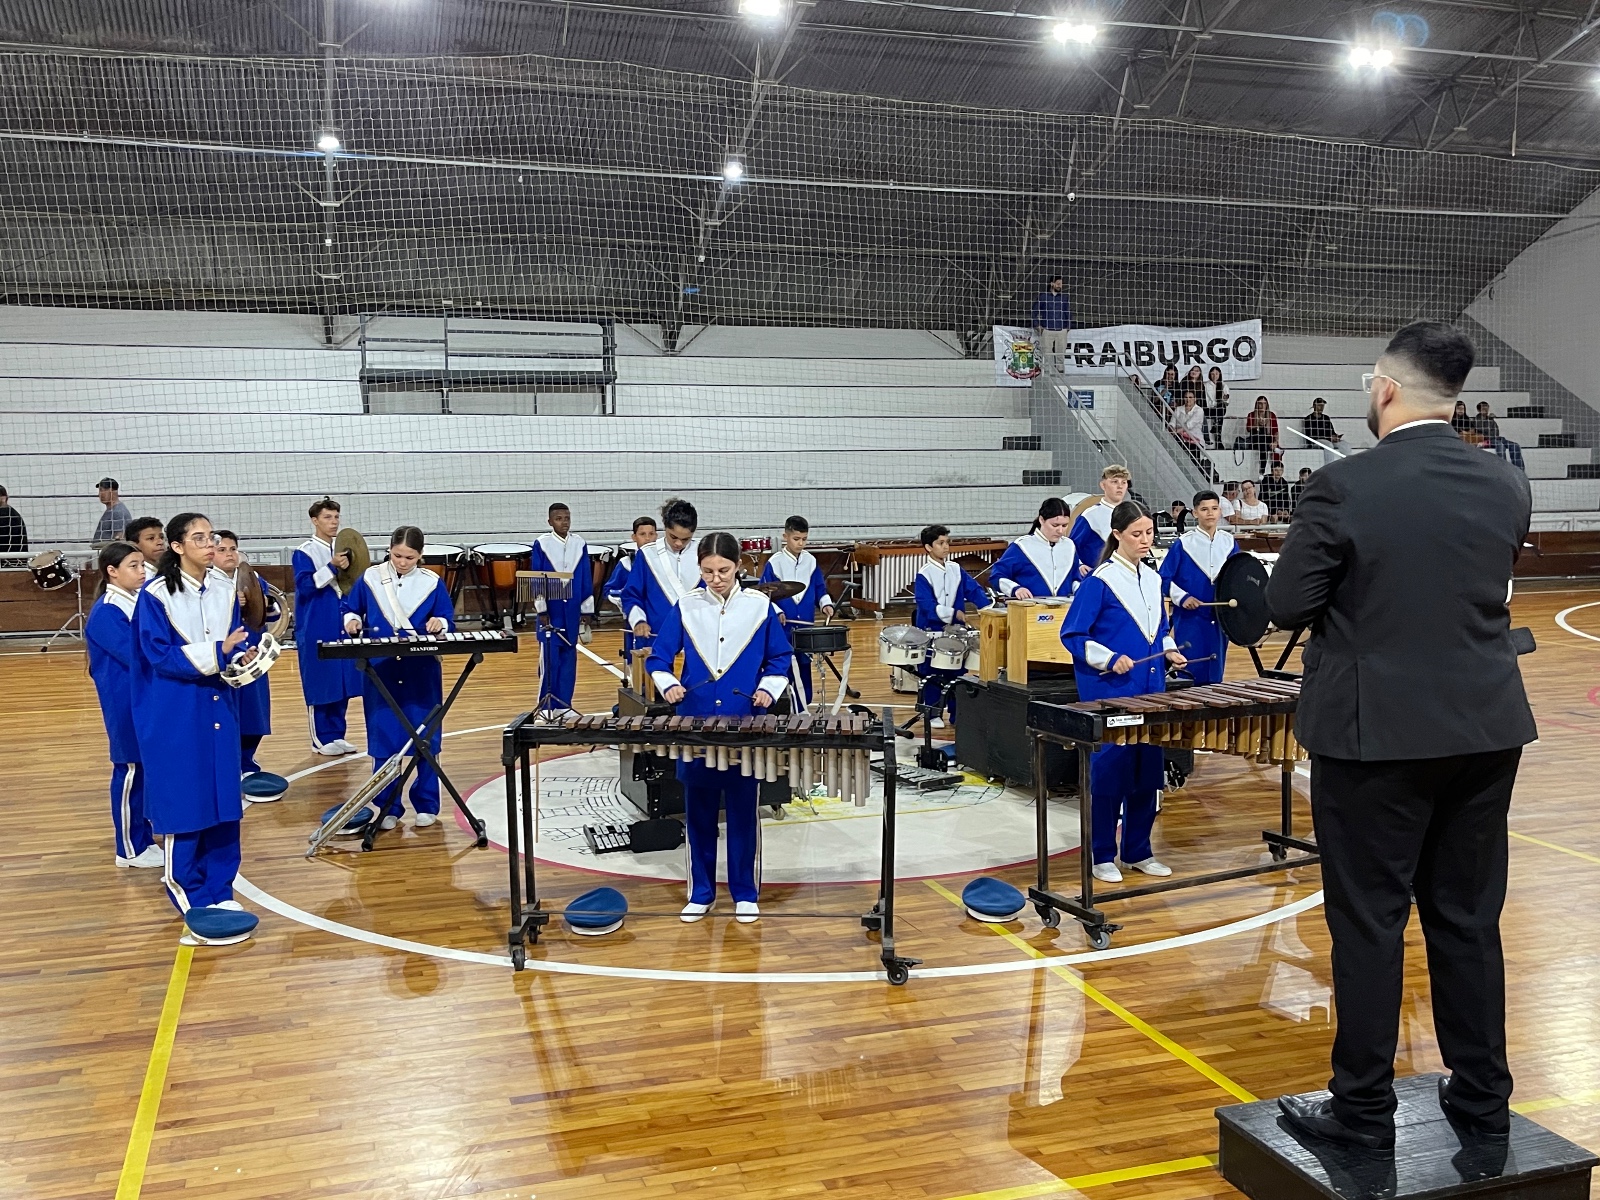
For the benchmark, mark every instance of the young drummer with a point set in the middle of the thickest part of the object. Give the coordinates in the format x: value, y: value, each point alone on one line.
x: 562, y: 621
x: 644, y: 532
x: 736, y: 659
x: 1190, y: 574
x: 1117, y: 632
x: 1093, y: 524
x: 108, y: 636
x: 185, y: 631
x: 1041, y: 562
x: 397, y: 599
x: 327, y: 683
x: 794, y: 563
x: 144, y: 533
x: 942, y: 590
x: 663, y: 572
x: 255, y: 698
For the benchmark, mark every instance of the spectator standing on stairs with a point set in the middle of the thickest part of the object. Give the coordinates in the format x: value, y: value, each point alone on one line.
x: 1052, y: 323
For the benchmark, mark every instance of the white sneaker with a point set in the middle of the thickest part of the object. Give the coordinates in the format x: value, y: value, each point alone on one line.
x: 1107, y: 872
x: 150, y: 856
x: 693, y: 912
x: 1151, y: 866
x: 426, y: 819
x: 746, y: 912
x: 330, y: 749
x: 389, y: 822
x: 937, y: 723
x: 343, y: 747
x: 230, y: 905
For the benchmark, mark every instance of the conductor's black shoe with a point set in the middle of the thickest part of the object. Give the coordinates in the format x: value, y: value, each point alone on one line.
x: 1315, y: 1118
x: 1467, y: 1126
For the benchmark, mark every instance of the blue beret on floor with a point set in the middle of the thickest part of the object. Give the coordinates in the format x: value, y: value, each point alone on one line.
x: 596, y: 912
x: 992, y: 900
x: 220, y: 926
x: 264, y: 785
x: 357, y: 822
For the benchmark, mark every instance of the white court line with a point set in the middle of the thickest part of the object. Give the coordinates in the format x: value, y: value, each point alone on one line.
x: 1561, y: 620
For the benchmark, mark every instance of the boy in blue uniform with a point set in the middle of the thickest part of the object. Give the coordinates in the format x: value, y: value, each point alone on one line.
x: 328, y: 683
x: 942, y: 590
x: 664, y: 572
x: 794, y: 563
x: 562, y: 622
x: 1093, y: 524
x: 644, y: 533
x: 1189, y: 572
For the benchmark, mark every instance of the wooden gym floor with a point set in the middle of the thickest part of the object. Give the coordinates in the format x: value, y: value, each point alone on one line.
x: 311, y: 1063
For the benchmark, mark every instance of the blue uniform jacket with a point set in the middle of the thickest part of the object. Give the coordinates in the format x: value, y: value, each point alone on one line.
x: 319, y: 617
x: 1033, y: 563
x: 109, y: 636
x: 784, y: 566
x: 1190, y: 569
x: 416, y: 683
x: 660, y: 579
x: 1118, y: 611
x: 1089, y: 535
x: 550, y: 553
x: 255, y: 699
x: 617, y: 582
x: 941, y: 592
x: 730, y: 651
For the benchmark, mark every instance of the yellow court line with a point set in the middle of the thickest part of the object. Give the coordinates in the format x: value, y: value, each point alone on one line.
x: 155, y: 1080
x: 1522, y: 837
x: 1106, y: 1002
x: 1534, y: 1106
x: 1056, y: 1187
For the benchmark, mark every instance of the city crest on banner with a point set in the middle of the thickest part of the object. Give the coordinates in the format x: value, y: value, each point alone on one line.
x: 1016, y: 356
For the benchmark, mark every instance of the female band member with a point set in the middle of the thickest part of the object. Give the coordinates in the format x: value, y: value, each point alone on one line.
x: 255, y: 698
x: 1190, y: 574
x: 1040, y: 562
x: 736, y: 658
x: 1117, y: 632
x: 395, y: 599
x: 185, y: 630
x: 107, y: 635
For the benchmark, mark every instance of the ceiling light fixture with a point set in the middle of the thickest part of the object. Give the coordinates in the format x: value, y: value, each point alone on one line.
x: 1075, y: 32
x: 327, y: 143
x: 732, y: 171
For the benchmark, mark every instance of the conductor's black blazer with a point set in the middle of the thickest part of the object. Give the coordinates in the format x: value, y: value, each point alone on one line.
x: 1399, y: 559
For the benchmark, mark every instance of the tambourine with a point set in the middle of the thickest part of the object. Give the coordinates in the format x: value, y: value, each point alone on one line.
x: 241, y: 674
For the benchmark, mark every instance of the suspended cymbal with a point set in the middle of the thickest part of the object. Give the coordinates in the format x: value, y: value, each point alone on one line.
x: 780, y: 589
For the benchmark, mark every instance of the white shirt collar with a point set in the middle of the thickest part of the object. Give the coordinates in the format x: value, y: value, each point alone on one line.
x: 1414, y: 424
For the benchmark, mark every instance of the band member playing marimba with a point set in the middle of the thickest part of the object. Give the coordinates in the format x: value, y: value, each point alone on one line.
x: 255, y: 698
x: 328, y: 683
x: 1190, y: 574
x: 663, y: 572
x: 560, y: 621
x: 736, y: 659
x: 794, y: 563
x: 942, y: 590
x: 397, y: 599
x: 644, y: 533
x: 1117, y: 633
x: 1040, y: 563
x: 108, y: 637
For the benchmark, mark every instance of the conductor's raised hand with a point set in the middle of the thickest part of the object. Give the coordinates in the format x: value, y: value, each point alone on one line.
x: 761, y: 699
x: 674, y: 694
x: 1123, y: 665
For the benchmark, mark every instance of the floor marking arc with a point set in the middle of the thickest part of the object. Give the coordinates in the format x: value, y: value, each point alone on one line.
x: 1561, y: 620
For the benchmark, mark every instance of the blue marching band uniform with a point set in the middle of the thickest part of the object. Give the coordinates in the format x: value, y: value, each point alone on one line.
x: 392, y: 605
x: 785, y: 567
x: 659, y: 579
x: 328, y: 683
x: 1190, y: 569
x: 941, y: 592
x: 1089, y: 533
x: 1118, y: 611
x: 612, y: 590
x: 731, y: 649
x: 1033, y: 562
x: 108, y: 634
x: 558, y: 642
x: 255, y: 699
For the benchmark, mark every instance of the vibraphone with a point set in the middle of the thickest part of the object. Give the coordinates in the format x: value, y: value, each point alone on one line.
x: 366, y: 650
x: 833, y: 750
x: 1252, y: 718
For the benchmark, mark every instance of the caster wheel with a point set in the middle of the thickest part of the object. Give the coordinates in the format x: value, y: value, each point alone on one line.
x: 519, y: 958
x: 1279, y: 853
x: 898, y: 974
x: 1099, y: 937
x: 1050, y: 917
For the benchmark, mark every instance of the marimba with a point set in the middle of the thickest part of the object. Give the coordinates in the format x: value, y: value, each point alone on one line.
x: 833, y: 750
x: 1252, y: 718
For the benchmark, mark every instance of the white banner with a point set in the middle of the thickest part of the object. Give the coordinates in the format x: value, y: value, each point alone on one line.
x: 1145, y: 350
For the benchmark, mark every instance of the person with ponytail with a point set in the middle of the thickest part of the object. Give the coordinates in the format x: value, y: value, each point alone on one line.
x: 1041, y: 562
x: 107, y: 635
x: 1189, y: 572
x: 1117, y: 632
x: 670, y: 570
x: 186, y: 629
x: 736, y: 659
x: 255, y: 698
x: 399, y: 599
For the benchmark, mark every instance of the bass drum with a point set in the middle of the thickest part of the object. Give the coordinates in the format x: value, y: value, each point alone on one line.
x: 1243, y: 579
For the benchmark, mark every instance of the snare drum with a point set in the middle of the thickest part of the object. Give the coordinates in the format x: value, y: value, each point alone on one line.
x: 504, y: 560
x: 50, y: 570
x: 902, y: 646
x: 819, y: 639
x: 948, y: 652
x: 973, y: 641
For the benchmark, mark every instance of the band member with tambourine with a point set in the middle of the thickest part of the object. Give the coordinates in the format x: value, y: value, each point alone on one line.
x: 255, y: 699
x: 1190, y: 573
x: 793, y: 563
x: 398, y: 599
x: 328, y: 683
x: 1121, y: 645
x: 736, y: 659
x: 185, y: 633
x: 1041, y: 562
x: 108, y: 636
x: 562, y: 623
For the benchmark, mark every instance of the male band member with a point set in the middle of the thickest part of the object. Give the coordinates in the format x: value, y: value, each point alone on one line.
x: 665, y: 571
x: 328, y: 683
x: 255, y: 698
x: 144, y: 534
x: 1189, y: 573
x: 1093, y: 524
x: 562, y: 621
x: 794, y: 563
x: 1400, y: 559
x: 644, y: 532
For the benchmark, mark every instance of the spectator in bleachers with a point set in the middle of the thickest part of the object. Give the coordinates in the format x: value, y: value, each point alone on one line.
x: 1261, y: 433
x: 1052, y: 323
x: 13, y: 531
x: 1318, y: 424
x: 1188, y: 421
x: 1194, y: 382
x: 1297, y: 489
x: 1216, y: 407
x: 1459, y: 420
x: 1484, y: 424
x: 1275, y: 494
x: 1250, y: 510
x: 1230, y: 500
x: 1167, y: 390
x: 1176, y: 518
x: 116, y: 516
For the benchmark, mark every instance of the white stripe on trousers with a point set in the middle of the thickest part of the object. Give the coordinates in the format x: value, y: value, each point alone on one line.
x: 125, y: 829
x: 173, y: 888
x: 311, y: 719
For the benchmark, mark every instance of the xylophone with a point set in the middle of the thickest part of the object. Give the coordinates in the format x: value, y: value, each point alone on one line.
x: 429, y: 645
x: 804, y: 748
x: 1252, y: 718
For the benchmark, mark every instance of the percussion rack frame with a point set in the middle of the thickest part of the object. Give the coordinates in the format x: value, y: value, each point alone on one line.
x: 524, y: 737
x: 1049, y: 904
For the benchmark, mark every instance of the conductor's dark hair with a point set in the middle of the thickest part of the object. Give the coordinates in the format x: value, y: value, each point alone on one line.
x: 1202, y: 496
x: 326, y: 504
x: 1437, y: 351
x: 797, y: 525
x: 1122, y: 516
x: 230, y: 535
x: 1052, y: 507
x: 680, y: 513
x: 559, y: 507
x: 167, y: 567
x: 112, y: 556
x: 719, y: 545
x: 932, y: 533
x: 408, y: 536
x: 640, y: 522
x: 138, y: 525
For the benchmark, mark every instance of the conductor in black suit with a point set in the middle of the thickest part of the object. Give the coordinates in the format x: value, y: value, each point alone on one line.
x: 1413, y: 710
